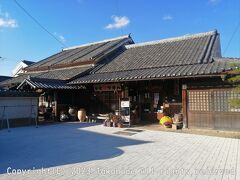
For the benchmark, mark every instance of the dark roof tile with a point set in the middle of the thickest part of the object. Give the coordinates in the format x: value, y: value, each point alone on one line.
x: 81, y: 53
x: 4, y: 78
x: 182, y: 71
x: 40, y: 83
x: 184, y: 50
x: 62, y: 74
x: 27, y: 62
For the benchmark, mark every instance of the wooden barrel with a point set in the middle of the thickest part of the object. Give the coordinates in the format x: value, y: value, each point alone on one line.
x: 82, y: 115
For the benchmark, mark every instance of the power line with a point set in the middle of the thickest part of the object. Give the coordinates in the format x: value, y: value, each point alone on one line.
x: 233, y: 34
x: 38, y: 23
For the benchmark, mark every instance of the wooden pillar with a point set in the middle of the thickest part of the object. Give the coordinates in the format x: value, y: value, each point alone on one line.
x: 56, y: 105
x: 184, y: 106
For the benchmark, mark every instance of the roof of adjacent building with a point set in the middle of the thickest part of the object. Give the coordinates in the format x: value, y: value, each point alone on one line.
x: 27, y: 62
x: 59, y: 74
x: 4, y: 78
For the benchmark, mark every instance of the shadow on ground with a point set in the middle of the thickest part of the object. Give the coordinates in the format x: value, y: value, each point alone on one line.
x: 55, y: 145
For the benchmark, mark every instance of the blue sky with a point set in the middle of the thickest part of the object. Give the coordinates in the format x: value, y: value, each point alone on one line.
x: 76, y: 22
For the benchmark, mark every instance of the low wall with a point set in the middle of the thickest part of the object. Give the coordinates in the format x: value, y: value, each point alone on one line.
x: 18, y: 107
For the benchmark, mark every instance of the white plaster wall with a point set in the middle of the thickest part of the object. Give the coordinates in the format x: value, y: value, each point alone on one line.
x: 18, y: 107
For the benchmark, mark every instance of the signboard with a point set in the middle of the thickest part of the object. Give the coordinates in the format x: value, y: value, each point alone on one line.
x: 125, y: 104
x: 125, y: 111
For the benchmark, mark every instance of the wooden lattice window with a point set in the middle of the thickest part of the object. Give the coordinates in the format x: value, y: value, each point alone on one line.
x: 199, y: 100
x: 222, y: 99
x: 212, y: 100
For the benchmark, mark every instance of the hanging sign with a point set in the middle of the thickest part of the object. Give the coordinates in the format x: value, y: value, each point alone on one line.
x: 107, y: 87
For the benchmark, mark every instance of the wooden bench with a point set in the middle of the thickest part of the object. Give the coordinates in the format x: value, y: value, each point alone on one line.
x: 97, y: 118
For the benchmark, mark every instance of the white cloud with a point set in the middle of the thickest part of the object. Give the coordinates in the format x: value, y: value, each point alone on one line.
x: 60, y: 37
x: 6, y: 22
x: 118, y: 22
x: 167, y: 18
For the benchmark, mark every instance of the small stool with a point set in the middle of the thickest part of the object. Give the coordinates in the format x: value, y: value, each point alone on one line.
x: 177, y: 125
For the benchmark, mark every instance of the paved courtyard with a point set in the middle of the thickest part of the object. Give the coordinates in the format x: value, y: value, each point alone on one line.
x: 91, y: 151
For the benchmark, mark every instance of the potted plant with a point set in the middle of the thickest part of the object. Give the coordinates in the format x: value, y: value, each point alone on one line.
x: 120, y: 125
x: 63, y: 116
x: 108, y: 121
x: 119, y: 122
x: 110, y: 116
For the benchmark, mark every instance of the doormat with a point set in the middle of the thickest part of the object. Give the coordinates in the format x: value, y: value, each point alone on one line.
x: 124, y: 133
x: 134, y: 130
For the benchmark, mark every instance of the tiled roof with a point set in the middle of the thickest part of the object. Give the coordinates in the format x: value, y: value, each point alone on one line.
x: 40, y: 83
x: 215, y: 68
x: 185, y: 50
x: 82, y: 53
x: 61, y: 65
x: 189, y: 55
x: 62, y: 74
x: 185, y: 56
x: 27, y: 62
x: 17, y: 80
x: 4, y: 78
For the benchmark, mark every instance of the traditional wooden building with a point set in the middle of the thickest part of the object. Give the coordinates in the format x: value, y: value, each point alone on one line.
x: 184, y: 74
x: 50, y: 76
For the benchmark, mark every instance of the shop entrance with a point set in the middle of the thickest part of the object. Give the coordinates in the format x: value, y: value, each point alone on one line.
x: 146, y: 106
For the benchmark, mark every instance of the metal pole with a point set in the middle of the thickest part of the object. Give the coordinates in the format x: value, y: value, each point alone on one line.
x: 36, y: 122
x: 31, y: 113
x: 34, y: 112
x: 3, y: 116
x: 8, y: 124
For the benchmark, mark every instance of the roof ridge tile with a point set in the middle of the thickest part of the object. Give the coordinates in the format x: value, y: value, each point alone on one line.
x: 173, y: 39
x: 97, y: 42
